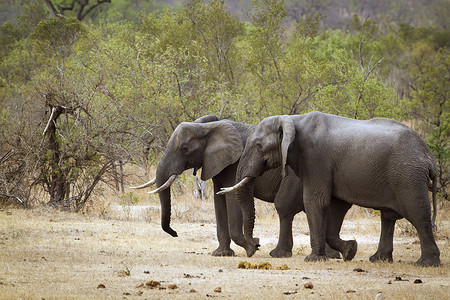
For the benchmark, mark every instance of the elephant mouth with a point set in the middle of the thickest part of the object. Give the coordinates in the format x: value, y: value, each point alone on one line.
x: 194, y: 171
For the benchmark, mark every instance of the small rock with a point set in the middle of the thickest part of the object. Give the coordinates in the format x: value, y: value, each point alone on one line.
x: 305, y: 277
x: 152, y: 284
x: 139, y: 293
x: 289, y: 293
x: 192, y: 291
x: 218, y: 290
x: 308, y: 285
x: 101, y: 286
x: 220, y: 271
x: 398, y: 278
x: 350, y: 291
x: 358, y: 270
x: 418, y: 281
x: 139, y: 285
x: 146, y: 272
x: 172, y: 286
x: 379, y: 296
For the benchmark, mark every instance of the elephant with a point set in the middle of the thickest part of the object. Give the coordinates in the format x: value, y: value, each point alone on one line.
x: 216, y: 146
x: 378, y: 163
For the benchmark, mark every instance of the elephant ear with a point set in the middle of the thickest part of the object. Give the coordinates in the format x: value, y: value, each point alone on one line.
x: 224, y: 147
x: 287, y: 135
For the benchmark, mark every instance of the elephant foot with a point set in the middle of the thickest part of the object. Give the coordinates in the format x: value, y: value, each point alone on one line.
x: 378, y: 256
x: 331, y: 253
x: 428, y: 261
x: 222, y: 251
x: 315, y: 257
x: 252, y: 247
x: 279, y: 252
x: 350, y: 249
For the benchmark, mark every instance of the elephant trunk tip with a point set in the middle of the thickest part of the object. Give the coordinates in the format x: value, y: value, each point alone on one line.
x: 170, y: 231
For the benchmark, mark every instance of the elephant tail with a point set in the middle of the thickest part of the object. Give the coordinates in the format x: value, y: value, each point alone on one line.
x: 433, y: 177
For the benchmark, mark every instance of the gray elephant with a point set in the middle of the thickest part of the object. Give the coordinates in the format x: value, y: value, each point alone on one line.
x: 216, y: 146
x: 378, y: 163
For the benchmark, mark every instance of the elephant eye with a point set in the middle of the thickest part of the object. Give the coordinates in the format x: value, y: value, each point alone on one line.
x: 259, y: 146
x: 184, y: 149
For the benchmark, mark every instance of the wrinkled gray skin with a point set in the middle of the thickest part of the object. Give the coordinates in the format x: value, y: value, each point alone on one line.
x: 216, y: 148
x: 378, y: 163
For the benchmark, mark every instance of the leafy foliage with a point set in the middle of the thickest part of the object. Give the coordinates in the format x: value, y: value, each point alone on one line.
x: 79, y: 99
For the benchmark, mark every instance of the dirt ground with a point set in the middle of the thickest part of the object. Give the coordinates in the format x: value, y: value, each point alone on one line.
x: 48, y: 254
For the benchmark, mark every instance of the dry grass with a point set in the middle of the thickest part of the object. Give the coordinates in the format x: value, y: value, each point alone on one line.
x: 56, y: 255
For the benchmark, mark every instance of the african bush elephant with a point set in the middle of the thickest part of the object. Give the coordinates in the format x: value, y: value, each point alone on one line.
x: 378, y: 163
x: 216, y: 146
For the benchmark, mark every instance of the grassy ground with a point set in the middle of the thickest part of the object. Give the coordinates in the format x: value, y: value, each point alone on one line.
x: 118, y: 251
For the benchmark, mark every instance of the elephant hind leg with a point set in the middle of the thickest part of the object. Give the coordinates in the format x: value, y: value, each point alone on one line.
x: 430, y: 254
x: 385, y: 245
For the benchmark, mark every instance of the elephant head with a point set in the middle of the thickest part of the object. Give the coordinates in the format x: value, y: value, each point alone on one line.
x: 266, y: 148
x: 211, y: 146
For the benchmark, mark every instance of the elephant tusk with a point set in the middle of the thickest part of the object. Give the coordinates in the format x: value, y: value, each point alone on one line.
x: 151, y: 182
x: 165, y: 185
x: 235, y: 187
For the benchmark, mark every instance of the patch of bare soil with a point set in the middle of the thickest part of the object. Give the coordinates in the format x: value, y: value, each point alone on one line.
x: 53, y: 255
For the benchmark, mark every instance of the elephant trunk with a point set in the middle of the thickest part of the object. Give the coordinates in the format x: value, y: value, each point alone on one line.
x: 248, y: 168
x: 244, y: 196
x: 164, y: 197
x: 164, y: 178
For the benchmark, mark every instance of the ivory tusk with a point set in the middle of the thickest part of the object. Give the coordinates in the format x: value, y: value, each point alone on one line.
x: 234, y: 187
x: 151, y: 182
x: 165, y: 185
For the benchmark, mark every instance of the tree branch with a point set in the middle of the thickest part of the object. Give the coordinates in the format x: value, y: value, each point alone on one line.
x: 361, y: 42
x: 52, y: 7
x: 370, y: 71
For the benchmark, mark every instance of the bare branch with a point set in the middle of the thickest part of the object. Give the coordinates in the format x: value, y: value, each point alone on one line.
x: 12, y: 196
x: 6, y: 156
x: 361, y: 42
x: 370, y: 71
x: 49, y: 120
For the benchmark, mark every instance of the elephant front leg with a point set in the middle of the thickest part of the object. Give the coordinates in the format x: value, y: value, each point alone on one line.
x: 285, y: 241
x: 288, y: 202
x: 223, y: 234
x: 336, y: 213
x: 317, y: 228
